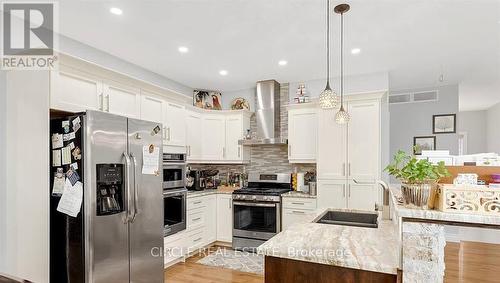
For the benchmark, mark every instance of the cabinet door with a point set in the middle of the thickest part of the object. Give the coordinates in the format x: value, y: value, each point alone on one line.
x: 211, y: 219
x: 193, y: 135
x: 332, y: 147
x: 75, y: 91
x: 332, y: 194
x: 224, y: 218
x: 364, y: 140
x: 152, y: 108
x: 213, y: 133
x: 362, y: 197
x: 302, y: 135
x: 293, y: 216
x: 234, y: 132
x: 175, y: 124
x: 121, y: 100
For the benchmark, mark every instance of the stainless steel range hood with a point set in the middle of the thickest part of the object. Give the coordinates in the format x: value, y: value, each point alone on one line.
x: 267, y: 112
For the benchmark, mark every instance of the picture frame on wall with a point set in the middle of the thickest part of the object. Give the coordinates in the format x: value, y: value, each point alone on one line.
x: 423, y: 143
x: 207, y: 99
x: 444, y: 124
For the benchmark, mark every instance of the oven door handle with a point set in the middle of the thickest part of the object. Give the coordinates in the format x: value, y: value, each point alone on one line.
x: 254, y: 204
x: 174, y: 194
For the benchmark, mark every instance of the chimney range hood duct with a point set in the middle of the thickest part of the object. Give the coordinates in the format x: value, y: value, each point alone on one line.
x: 267, y: 112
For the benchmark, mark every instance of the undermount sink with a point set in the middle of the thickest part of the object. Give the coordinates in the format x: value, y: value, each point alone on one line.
x: 348, y: 218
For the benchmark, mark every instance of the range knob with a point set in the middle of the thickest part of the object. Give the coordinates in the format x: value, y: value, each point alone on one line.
x: 254, y: 197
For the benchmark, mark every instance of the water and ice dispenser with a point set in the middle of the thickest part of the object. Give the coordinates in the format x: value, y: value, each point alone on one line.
x: 110, y: 189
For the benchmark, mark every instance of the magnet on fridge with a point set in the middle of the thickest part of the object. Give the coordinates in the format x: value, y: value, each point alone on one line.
x: 76, y: 124
x: 71, y: 145
x: 69, y: 136
x: 74, y: 166
x: 57, y: 141
x: 66, y: 155
x: 155, y: 130
x: 73, y: 177
x: 65, y: 126
x: 56, y: 157
x: 77, y: 153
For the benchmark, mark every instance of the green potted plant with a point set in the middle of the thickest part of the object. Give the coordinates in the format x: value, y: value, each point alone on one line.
x: 419, y: 178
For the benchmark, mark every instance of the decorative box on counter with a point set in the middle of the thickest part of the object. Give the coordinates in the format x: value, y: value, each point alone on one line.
x: 475, y: 199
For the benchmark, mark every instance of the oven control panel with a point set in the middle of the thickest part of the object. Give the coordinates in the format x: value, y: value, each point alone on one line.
x: 256, y: 198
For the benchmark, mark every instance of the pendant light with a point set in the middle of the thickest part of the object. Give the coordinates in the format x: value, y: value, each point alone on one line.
x: 328, y: 99
x: 342, y: 117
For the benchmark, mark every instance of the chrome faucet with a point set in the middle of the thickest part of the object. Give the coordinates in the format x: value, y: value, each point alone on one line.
x: 386, y: 207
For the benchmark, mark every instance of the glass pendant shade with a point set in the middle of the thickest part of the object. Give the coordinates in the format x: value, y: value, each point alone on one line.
x: 342, y: 117
x: 328, y: 99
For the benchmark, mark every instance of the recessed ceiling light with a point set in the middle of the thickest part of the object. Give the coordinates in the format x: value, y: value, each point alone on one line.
x: 283, y: 62
x: 183, y: 49
x: 355, y: 51
x: 223, y: 72
x: 116, y: 11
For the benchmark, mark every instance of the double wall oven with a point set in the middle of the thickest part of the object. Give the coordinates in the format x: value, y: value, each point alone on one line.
x: 174, y: 193
x: 257, y: 209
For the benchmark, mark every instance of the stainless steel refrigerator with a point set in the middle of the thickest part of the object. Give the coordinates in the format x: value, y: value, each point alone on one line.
x: 118, y: 234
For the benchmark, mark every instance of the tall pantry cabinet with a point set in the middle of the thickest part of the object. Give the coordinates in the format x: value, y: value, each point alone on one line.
x: 352, y: 153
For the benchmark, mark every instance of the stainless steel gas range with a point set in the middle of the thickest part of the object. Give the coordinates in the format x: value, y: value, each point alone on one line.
x: 257, y: 209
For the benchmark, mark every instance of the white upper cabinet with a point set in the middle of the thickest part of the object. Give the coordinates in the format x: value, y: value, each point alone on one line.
x: 234, y: 132
x: 121, y: 100
x: 213, y: 137
x: 332, y: 147
x: 302, y: 135
x: 236, y: 126
x: 364, y: 140
x: 193, y: 135
x: 152, y: 107
x: 75, y: 91
x: 175, y: 125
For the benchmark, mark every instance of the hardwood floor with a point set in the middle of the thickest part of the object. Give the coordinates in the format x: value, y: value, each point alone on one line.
x: 465, y: 262
x: 472, y: 262
x: 190, y: 271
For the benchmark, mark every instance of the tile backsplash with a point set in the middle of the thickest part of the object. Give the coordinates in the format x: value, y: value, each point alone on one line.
x: 266, y: 158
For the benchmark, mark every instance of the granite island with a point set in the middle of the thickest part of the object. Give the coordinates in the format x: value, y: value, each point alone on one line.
x: 408, y: 248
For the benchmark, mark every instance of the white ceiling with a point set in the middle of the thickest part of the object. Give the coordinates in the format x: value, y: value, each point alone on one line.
x: 413, y: 40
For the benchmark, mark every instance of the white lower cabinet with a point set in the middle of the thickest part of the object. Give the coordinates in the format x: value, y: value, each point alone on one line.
x: 224, y: 218
x: 347, y: 194
x: 202, y: 214
x: 297, y: 210
x: 332, y: 194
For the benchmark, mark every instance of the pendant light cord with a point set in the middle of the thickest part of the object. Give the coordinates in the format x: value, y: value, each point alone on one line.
x: 328, y: 43
x: 342, y: 60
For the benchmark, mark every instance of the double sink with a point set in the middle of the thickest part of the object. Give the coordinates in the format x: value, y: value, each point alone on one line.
x: 349, y: 218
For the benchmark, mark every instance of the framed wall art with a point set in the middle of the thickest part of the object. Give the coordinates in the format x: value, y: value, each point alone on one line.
x: 423, y: 143
x: 444, y: 124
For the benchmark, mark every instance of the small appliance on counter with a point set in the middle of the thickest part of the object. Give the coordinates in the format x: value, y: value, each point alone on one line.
x: 199, y: 180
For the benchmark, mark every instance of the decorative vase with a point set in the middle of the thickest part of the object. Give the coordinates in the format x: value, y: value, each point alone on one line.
x: 419, y: 195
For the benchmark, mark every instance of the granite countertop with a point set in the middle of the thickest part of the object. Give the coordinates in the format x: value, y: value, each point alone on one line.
x: 219, y: 190
x: 371, y: 249
x: 436, y: 215
x: 295, y: 194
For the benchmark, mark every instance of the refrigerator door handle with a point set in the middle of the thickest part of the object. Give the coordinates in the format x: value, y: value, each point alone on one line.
x: 127, y: 187
x: 136, y: 197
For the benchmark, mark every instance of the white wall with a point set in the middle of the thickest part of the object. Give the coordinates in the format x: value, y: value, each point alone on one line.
x: 109, y: 61
x: 415, y: 119
x: 474, y: 124
x: 493, y: 121
x: 25, y: 201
